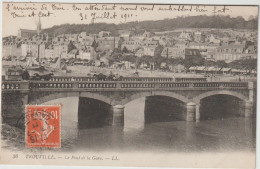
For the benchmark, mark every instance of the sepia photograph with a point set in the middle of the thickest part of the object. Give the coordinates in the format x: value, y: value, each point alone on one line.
x: 129, y: 85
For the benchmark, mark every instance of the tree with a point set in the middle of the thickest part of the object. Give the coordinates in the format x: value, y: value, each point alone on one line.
x: 158, y: 61
x: 117, y: 50
x: 71, y: 46
x: 158, y: 51
x: 194, y: 61
x: 251, y: 17
x: 147, y: 59
x: 200, y: 21
x: 125, y: 50
x: 210, y: 63
x: 94, y: 44
x: 248, y: 64
x: 115, y: 57
x: 221, y: 63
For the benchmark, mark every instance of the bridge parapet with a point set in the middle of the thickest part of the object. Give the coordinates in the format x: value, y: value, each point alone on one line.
x: 26, y: 85
x: 71, y: 79
x: 222, y: 84
x: 47, y: 84
x: 148, y: 79
x: 89, y: 79
x: 15, y: 85
x: 144, y: 79
x: 72, y: 85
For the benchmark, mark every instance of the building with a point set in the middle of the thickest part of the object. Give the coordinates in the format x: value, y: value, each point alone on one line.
x: 186, y: 36
x: 231, y: 52
x: 102, y: 34
x: 71, y: 37
x: 49, y: 51
x: 149, y: 51
x: 197, y: 36
x: 197, y: 45
x: 213, y: 39
x: 11, y: 49
x: 173, y: 52
x: 181, y: 44
x: 87, y: 53
x: 73, y: 53
x: 82, y: 35
x: 139, y: 53
x: 150, y: 43
x: 147, y: 34
x: 177, y: 68
x: 106, y: 43
x: 26, y: 33
x: 35, y: 48
x: 229, y: 57
x: 125, y: 34
x: 61, y: 49
x: 131, y: 45
x: 192, y: 53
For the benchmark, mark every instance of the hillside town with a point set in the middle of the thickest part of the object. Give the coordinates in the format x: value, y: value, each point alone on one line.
x: 199, y: 51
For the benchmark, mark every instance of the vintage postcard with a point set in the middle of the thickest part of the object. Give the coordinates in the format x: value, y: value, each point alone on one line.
x: 131, y: 85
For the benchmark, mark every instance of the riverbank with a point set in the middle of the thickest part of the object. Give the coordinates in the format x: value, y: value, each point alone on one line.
x: 13, y: 138
x: 89, y: 70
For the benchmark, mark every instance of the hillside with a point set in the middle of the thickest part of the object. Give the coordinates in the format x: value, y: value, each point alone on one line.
x: 202, y: 21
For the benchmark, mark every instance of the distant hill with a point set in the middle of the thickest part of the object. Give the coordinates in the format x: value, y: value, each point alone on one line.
x: 202, y: 21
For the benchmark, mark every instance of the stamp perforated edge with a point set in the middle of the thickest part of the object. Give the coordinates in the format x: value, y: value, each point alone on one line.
x: 37, y: 105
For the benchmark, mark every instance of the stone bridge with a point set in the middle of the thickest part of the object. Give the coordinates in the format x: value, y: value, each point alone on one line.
x: 16, y: 94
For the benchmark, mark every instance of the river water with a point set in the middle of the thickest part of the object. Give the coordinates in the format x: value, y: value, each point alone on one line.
x: 228, y: 134
x: 233, y: 134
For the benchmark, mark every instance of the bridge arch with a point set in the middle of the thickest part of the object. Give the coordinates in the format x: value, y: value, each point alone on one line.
x: 218, y: 92
x: 96, y: 96
x: 155, y: 93
x: 54, y: 96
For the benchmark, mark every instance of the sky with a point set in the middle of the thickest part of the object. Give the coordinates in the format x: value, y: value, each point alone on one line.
x: 17, y: 16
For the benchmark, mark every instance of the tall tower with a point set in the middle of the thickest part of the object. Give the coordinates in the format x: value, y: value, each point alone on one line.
x: 39, y: 26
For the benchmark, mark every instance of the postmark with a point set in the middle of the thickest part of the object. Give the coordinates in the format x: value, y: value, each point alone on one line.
x: 43, y: 126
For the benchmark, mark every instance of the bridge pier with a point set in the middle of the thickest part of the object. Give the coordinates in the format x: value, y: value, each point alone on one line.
x: 25, y: 99
x: 118, y: 115
x: 197, y: 112
x: 248, y: 108
x: 251, y: 91
x: 191, y: 111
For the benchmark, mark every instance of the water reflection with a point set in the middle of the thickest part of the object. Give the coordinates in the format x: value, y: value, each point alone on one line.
x: 134, y: 119
x: 213, y: 135
x: 222, y: 134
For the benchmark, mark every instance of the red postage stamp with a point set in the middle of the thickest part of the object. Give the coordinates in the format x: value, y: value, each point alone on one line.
x: 43, y: 126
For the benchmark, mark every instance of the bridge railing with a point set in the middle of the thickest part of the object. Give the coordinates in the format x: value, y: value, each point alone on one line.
x: 71, y: 85
x: 88, y: 78
x: 47, y: 84
x: 71, y: 79
x: 84, y: 85
x: 221, y: 84
x: 15, y: 85
x: 137, y: 79
x: 190, y: 79
x: 185, y: 85
x: 148, y: 79
x: 19, y: 85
